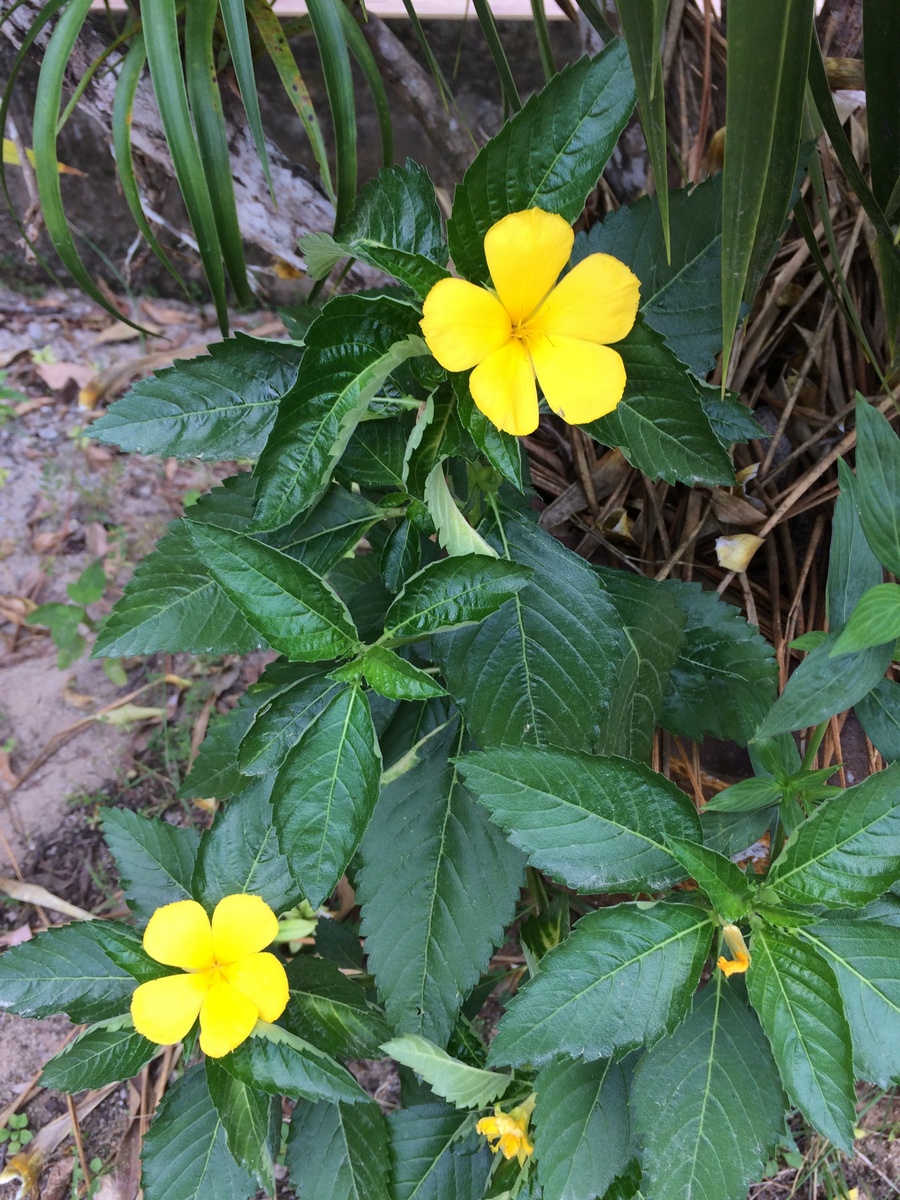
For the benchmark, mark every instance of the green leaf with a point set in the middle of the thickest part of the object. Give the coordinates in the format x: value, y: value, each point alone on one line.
x: 438, y: 885
x: 725, y: 678
x: 865, y: 957
x: 338, y: 1152
x: 292, y: 607
x: 764, y: 109
x: 559, y: 143
x: 624, y: 977
x: 395, y: 226
x: 541, y: 671
x: 459, y: 1083
x: 246, y: 1114
x: 394, y: 677
x: 401, y: 556
x: 879, y: 715
x: 90, y: 584
x: 215, y: 771
x: 848, y: 852
x: 795, y: 993
x: 878, y: 483
x: 430, y: 1161
x: 322, y: 537
x: 582, y: 1135
x: 325, y: 792
x: 374, y: 457
x: 331, y: 1011
x: 63, y: 621
x: 155, y: 860
x: 750, y: 795
x: 661, y: 424
x: 64, y: 970
x: 97, y: 1057
x: 852, y: 567
x: 351, y: 349
x: 725, y: 884
x: 729, y: 1115
x: 502, y: 450
x: 281, y: 1063
x: 171, y: 604
x: 652, y: 624
x: 880, y: 32
x: 124, y: 947
x: 874, y: 620
x: 822, y: 686
x: 240, y: 853
x: 454, y: 532
x: 359, y: 584
x: 596, y: 824
x: 451, y: 593
x: 279, y: 724
x: 185, y: 1155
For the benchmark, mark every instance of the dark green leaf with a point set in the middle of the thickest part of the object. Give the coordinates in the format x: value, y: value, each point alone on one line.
x: 624, y: 977
x: 394, y: 677
x: 246, y: 1116
x: 559, y: 144
x: 874, y: 620
x: 351, y: 349
x: 124, y: 946
x: 374, y: 457
x: 331, y: 1011
x: 429, y: 1161
x: 582, y: 1128
x: 215, y: 771
x: 725, y: 884
x: 848, y: 852
x: 97, y: 1057
x: 596, y: 824
x: 185, y: 1156
x: 338, y: 1152
x: 280, y: 723
x: 879, y: 715
x: 852, y: 567
x: 451, y: 593
x: 730, y: 833
x: 401, y: 556
x: 322, y: 537
x: 502, y: 450
x: 155, y: 860
x: 878, y: 483
x: 325, y: 792
x: 282, y: 1064
x: 729, y: 1113
x: 794, y: 991
x: 437, y: 888
x: 291, y: 606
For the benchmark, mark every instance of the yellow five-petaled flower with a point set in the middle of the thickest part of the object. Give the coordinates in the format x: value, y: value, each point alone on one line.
x: 529, y: 325
x: 227, y: 981
x: 734, y: 940
x: 507, y: 1133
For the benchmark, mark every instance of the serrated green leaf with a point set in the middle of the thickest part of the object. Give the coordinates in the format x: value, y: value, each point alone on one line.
x: 451, y: 593
x: 725, y: 678
x: 865, y: 957
x: 661, y: 424
x: 731, y: 833
x: 218, y: 406
x: 725, y: 884
x: 292, y: 607
x: 281, y: 1063
x: 338, y: 1151
x: 185, y: 1155
x: 325, y: 792
x: 852, y: 566
x: 359, y: 584
x: 596, y: 824
x: 394, y: 677
x: 879, y: 715
x: 624, y: 977
x: 322, y: 537
x: 246, y: 1114
x: 848, y: 852
x: 351, y: 349
x: 374, y: 454
x: 502, y: 450
x: 438, y: 884
x: 462, y: 1085
x: 541, y: 671
x: 795, y: 994
x: 279, y: 724
x: 714, y: 1142
x: 454, y: 532
x: 124, y: 946
x: 429, y: 1158
x: 331, y: 1011
x: 155, y: 860
x: 748, y: 796
x: 215, y: 771
x: 240, y: 853
x: 64, y: 970
x: 874, y: 620
x: 582, y: 1135
x: 559, y: 143
x: 97, y: 1057
x: 401, y: 556
x: 878, y: 483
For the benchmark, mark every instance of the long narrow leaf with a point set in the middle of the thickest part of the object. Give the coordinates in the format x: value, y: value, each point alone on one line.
x: 234, y: 18
x: 542, y: 36
x: 498, y: 54
x: 365, y: 60
x: 881, y: 34
x: 212, y: 137
x: 332, y: 45
x: 164, y: 57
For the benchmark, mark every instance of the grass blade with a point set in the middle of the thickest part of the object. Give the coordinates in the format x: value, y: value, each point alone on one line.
x: 234, y: 18
x: 542, y: 36
x: 335, y: 59
x: 881, y: 35
x: 365, y: 60
x: 498, y: 54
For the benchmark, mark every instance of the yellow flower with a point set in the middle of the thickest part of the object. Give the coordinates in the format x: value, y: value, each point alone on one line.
x: 228, y: 983
x: 527, y: 327
x: 738, y: 947
x: 507, y: 1133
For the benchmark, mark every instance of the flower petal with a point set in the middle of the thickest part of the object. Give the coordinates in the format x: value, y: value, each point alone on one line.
x: 525, y: 253
x: 241, y: 925
x: 226, y: 1019
x: 503, y: 388
x: 463, y: 324
x: 165, y: 1009
x: 597, y: 301
x: 262, y: 979
x: 581, y: 381
x: 179, y: 935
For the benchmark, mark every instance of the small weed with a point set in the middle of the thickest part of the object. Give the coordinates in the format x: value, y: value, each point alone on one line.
x: 16, y: 1134
x: 46, y: 354
x: 95, y: 1166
